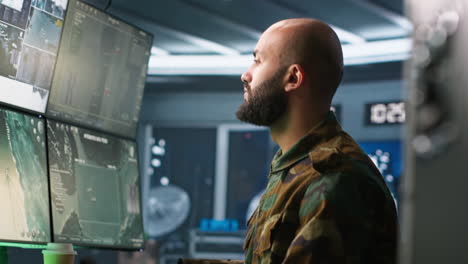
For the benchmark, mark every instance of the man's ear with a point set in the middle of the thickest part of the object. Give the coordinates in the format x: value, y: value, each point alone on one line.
x: 294, y: 77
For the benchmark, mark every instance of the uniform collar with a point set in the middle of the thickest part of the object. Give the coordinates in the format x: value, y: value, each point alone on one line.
x: 326, y: 129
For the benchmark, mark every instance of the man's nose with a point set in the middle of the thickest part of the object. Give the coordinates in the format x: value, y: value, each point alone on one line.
x: 246, y: 77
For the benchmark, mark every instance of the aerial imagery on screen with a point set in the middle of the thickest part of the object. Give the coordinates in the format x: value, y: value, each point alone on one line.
x: 95, y: 188
x: 29, y: 38
x: 24, y: 196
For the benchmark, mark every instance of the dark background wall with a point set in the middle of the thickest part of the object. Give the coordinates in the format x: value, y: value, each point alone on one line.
x: 208, y: 102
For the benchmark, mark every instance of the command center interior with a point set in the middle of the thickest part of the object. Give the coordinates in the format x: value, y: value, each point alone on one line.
x: 118, y: 131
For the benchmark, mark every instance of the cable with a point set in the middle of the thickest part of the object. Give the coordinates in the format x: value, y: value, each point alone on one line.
x: 109, y: 3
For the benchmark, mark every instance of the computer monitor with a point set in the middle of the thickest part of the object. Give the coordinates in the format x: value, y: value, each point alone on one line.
x: 249, y: 156
x: 24, y: 190
x: 29, y: 39
x: 101, y: 71
x: 95, y: 188
x: 387, y: 156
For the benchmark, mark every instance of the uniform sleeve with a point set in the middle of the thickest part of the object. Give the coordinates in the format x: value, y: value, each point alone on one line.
x: 318, y: 239
x: 336, y: 218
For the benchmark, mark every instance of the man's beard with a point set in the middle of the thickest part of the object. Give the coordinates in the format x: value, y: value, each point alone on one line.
x: 266, y: 103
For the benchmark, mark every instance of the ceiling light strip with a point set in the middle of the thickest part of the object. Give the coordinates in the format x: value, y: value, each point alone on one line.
x: 346, y: 36
x: 365, y: 53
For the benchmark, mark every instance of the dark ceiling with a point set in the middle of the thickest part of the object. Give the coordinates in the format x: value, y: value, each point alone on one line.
x: 197, y: 29
x: 194, y: 27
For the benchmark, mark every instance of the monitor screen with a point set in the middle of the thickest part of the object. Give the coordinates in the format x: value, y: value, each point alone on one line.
x: 95, y: 188
x: 101, y: 71
x: 249, y: 156
x: 24, y: 191
x: 387, y: 156
x: 30, y: 33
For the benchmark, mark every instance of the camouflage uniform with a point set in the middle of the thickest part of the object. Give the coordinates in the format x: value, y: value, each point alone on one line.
x: 325, y: 202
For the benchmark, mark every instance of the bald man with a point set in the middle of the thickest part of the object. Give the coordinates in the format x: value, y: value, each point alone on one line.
x: 325, y: 201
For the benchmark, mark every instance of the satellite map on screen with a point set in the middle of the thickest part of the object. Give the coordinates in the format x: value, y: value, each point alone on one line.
x: 15, y: 4
x: 24, y: 198
x: 30, y: 33
x: 95, y: 188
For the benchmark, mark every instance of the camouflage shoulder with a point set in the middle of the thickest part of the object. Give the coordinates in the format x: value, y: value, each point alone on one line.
x: 337, y: 155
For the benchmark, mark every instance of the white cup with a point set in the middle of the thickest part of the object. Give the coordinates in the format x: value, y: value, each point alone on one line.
x: 58, y: 253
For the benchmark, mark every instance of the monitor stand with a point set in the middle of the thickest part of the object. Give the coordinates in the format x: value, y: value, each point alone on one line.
x: 3, y: 255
